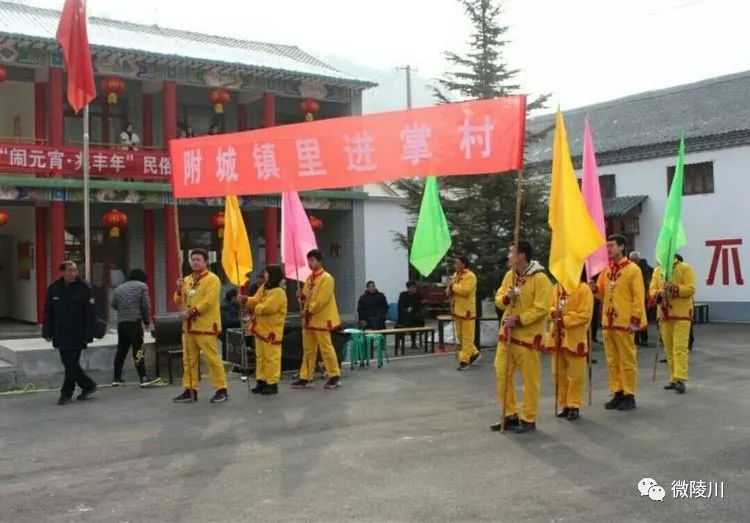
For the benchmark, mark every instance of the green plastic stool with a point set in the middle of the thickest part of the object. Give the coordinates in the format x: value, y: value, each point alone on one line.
x: 378, y: 340
x: 355, y: 347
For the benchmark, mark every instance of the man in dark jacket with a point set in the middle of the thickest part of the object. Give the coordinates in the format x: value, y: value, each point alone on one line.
x: 410, y: 310
x: 70, y: 323
x: 372, y: 307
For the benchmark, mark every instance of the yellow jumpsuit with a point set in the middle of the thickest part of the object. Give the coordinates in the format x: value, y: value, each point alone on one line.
x: 200, y: 296
x: 675, y: 317
x: 269, y: 309
x: 464, y: 289
x: 621, y: 290
x: 570, y: 363
x: 321, y: 317
x: 525, y: 341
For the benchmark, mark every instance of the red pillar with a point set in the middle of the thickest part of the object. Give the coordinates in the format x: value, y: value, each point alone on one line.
x: 56, y: 139
x: 40, y: 112
x: 148, y: 255
x: 270, y: 214
x: 242, y: 117
x: 147, y: 108
x: 40, y: 262
x: 172, y: 259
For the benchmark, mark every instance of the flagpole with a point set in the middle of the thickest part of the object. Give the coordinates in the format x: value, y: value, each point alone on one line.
x: 558, y: 344
x: 658, y: 326
x: 86, y: 195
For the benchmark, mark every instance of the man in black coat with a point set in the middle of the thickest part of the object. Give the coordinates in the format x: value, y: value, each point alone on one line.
x: 70, y: 323
x: 410, y: 310
x: 372, y: 307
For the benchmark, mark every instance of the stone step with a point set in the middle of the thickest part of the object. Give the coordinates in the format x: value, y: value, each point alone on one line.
x: 7, y: 375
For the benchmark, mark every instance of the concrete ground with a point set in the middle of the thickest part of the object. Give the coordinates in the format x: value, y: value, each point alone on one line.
x: 409, y: 442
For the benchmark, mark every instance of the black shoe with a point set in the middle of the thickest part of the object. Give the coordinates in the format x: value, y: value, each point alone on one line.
x: 475, y: 357
x: 594, y: 361
x: 147, y: 382
x: 670, y: 386
x: 118, y: 382
x: 302, y: 384
x: 463, y: 366
x: 511, y: 422
x: 526, y: 426
x: 258, y: 387
x: 220, y: 396
x: 627, y: 403
x: 679, y: 386
x: 333, y: 383
x: 86, y: 394
x: 663, y: 361
x: 267, y: 389
x: 187, y: 396
x: 64, y: 400
x: 574, y: 414
x: 563, y: 413
x: 615, y: 401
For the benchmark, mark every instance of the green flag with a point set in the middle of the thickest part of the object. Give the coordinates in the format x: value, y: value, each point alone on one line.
x: 431, y: 238
x: 672, y: 236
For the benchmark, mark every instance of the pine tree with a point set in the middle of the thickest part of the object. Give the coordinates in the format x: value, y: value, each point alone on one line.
x: 481, y: 209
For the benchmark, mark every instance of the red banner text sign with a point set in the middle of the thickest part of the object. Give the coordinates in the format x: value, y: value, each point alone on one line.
x: 485, y: 136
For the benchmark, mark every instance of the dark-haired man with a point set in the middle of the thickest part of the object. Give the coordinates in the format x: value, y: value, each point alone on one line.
x: 462, y: 292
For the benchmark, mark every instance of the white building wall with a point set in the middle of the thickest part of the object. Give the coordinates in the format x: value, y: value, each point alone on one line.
x: 724, y: 214
x: 386, y: 263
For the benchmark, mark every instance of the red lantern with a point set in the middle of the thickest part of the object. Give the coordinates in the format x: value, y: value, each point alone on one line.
x: 112, y: 86
x: 309, y: 108
x: 316, y: 223
x: 219, y: 97
x: 217, y: 223
x: 113, y: 221
x: 3, y: 74
x: 4, y: 217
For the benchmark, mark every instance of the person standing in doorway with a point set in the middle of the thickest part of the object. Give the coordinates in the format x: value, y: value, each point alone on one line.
x: 133, y: 307
x: 198, y: 296
x: 69, y: 323
x: 461, y: 292
x: 321, y: 318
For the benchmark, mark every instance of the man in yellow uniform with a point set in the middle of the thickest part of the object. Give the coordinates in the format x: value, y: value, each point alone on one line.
x: 269, y: 306
x: 321, y: 317
x: 198, y: 298
x: 675, y: 309
x: 570, y: 323
x: 621, y: 291
x: 462, y: 291
x: 524, y: 297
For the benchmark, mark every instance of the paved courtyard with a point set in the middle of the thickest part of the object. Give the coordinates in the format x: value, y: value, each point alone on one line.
x: 409, y: 442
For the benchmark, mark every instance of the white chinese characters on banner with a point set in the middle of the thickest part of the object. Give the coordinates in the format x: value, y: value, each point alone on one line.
x: 117, y: 162
x: 18, y: 158
x: 264, y: 158
x: 415, y: 144
x: 359, y: 150
x: 226, y: 165
x: 165, y: 166
x: 149, y: 165
x: 308, y: 158
x: 99, y: 161
x: 192, y: 174
x: 476, y: 135
x: 56, y: 160
x: 38, y: 159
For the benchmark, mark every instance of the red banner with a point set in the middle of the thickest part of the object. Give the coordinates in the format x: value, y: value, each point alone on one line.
x: 485, y: 136
x: 67, y: 161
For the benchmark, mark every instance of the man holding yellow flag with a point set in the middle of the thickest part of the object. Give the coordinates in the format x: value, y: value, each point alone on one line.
x: 574, y: 237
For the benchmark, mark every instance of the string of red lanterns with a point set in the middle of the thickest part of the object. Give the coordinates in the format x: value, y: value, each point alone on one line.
x: 112, y: 86
x: 114, y: 221
x: 219, y: 97
x: 4, y: 217
x: 309, y: 107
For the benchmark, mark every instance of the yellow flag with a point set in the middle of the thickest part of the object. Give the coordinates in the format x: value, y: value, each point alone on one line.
x: 236, y: 256
x: 574, y: 234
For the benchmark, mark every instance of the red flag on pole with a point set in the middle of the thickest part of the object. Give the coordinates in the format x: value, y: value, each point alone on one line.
x: 74, y: 40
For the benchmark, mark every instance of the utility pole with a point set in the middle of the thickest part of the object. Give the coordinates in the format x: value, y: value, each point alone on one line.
x: 408, y: 70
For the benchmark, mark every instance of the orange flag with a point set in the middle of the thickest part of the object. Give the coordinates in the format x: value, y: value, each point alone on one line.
x: 74, y: 40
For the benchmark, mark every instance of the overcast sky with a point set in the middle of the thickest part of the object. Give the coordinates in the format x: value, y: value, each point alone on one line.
x: 582, y: 51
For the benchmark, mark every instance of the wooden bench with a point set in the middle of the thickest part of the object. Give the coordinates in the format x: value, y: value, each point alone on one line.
x: 700, y: 313
x: 444, y: 319
x: 429, y: 332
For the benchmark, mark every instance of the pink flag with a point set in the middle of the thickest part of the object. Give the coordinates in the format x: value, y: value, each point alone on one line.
x: 297, y: 237
x: 592, y: 196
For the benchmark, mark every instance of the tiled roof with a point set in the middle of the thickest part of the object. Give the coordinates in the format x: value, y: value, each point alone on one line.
x: 621, y: 206
x: 33, y: 23
x: 710, y: 110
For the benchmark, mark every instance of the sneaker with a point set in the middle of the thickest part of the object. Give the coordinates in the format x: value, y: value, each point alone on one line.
x: 679, y: 386
x: 627, y: 403
x: 220, y: 396
x: 258, y: 387
x: 333, y: 383
x: 563, y: 413
x: 302, y: 384
x: 187, y: 396
x: 64, y: 400
x: 526, y: 426
x: 86, y: 394
x: 615, y: 401
x: 476, y: 357
x: 574, y: 414
x: 669, y: 386
x: 147, y: 382
x: 463, y: 366
x: 117, y: 383
x: 270, y: 389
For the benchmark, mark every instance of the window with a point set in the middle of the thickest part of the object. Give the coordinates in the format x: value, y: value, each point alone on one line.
x: 699, y: 178
x: 607, y: 186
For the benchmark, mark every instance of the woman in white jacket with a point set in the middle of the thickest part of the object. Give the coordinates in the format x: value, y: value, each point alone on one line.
x: 129, y: 139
